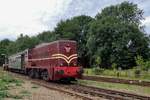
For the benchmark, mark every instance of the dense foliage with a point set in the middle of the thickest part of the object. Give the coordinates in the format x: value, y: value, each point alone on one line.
x: 118, y: 37
x: 114, y: 38
x: 76, y: 29
x: 3, y: 49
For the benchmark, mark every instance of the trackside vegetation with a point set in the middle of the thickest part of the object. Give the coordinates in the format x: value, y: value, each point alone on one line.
x: 113, y: 39
x: 123, y: 74
x: 140, y: 72
x: 7, y: 82
x: 117, y: 86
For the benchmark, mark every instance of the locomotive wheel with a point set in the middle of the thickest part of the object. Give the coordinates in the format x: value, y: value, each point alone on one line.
x: 37, y: 74
x: 45, y: 75
x: 31, y: 73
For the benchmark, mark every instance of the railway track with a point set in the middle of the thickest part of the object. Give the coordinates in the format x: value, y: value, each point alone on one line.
x: 113, y: 94
x: 116, y: 80
x: 53, y: 86
x: 93, y: 92
x: 60, y: 89
x: 87, y: 92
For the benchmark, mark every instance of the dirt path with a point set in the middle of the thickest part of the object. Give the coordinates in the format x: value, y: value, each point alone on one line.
x: 26, y: 90
x: 35, y: 92
x: 29, y: 91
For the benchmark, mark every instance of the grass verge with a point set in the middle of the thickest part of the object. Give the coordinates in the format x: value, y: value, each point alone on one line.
x: 116, y: 86
x: 123, y: 74
x: 7, y: 81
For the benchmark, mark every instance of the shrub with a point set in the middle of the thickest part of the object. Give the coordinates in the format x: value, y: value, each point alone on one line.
x: 147, y: 66
x: 144, y: 65
x: 139, y: 61
x: 114, y: 66
x: 137, y: 73
x: 97, y: 71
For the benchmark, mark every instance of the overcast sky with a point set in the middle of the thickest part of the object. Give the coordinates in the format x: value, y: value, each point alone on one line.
x: 33, y: 16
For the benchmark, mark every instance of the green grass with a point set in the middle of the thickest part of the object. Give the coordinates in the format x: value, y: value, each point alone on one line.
x: 25, y: 93
x: 126, y: 74
x: 16, y: 96
x: 116, y: 86
x: 6, y: 82
x: 35, y: 86
x: 18, y: 84
x: 3, y: 94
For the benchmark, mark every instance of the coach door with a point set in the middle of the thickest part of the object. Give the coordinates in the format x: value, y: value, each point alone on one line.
x: 22, y: 61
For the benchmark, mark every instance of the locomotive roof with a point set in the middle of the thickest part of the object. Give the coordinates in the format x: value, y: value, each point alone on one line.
x: 41, y: 45
x: 44, y: 44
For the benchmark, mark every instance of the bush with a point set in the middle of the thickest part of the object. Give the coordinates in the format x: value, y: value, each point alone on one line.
x: 144, y: 65
x: 114, y: 66
x: 147, y: 66
x: 97, y: 71
x: 137, y: 73
x: 139, y: 62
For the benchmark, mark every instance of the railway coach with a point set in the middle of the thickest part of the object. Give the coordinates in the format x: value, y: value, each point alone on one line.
x: 50, y: 61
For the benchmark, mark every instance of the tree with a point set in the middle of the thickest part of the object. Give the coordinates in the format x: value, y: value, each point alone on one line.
x: 26, y: 42
x: 22, y: 43
x: 47, y: 36
x: 76, y: 29
x: 126, y: 12
x: 115, y: 36
x: 3, y: 50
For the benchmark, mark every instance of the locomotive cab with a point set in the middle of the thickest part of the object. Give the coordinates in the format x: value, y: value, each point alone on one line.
x: 67, y: 67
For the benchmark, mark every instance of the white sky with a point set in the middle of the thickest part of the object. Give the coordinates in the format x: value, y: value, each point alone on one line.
x: 27, y: 16
x: 146, y: 22
x: 33, y: 16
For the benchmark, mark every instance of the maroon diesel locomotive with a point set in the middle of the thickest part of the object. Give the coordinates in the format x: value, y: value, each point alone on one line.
x: 50, y: 61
